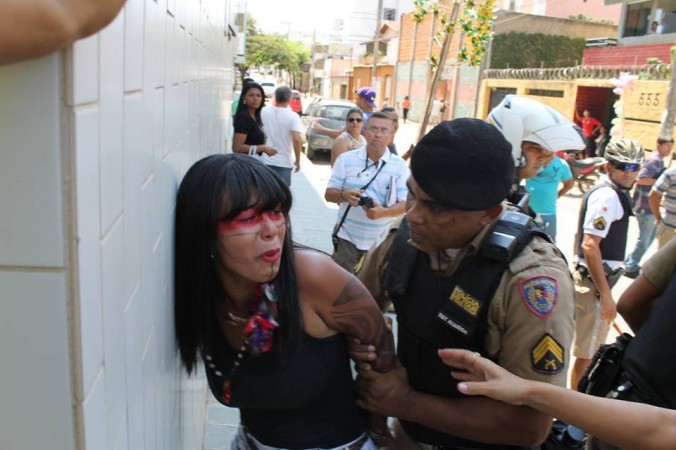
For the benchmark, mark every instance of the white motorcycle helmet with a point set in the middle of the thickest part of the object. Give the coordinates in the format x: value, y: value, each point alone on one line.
x: 524, y: 119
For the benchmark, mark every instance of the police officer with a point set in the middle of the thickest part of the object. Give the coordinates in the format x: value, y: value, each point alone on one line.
x: 601, y: 241
x: 465, y: 271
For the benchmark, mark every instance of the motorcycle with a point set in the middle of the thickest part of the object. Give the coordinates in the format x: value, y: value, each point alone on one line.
x: 585, y: 171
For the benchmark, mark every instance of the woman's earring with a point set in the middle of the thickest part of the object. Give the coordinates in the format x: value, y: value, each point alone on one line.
x: 243, y: 103
x: 211, y: 255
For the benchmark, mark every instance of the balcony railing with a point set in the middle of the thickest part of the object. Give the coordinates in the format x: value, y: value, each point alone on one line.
x: 646, y: 71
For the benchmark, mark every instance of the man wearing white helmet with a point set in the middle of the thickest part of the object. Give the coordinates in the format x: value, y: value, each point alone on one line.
x: 535, y: 131
x: 601, y: 241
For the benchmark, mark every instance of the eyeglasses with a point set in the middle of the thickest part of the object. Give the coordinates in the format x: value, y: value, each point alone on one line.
x: 627, y: 167
x: 355, y: 119
x: 376, y: 130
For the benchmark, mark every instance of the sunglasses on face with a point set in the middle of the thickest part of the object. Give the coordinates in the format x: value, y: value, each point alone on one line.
x: 354, y: 119
x: 627, y: 167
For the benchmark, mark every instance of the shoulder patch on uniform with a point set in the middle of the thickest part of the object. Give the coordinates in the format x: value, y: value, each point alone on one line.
x: 540, y: 294
x: 600, y: 223
x: 547, y: 356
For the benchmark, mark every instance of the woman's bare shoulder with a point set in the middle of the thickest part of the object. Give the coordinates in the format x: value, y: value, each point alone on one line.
x: 316, y: 270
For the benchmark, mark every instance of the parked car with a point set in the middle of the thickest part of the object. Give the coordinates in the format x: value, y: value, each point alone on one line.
x: 295, y: 103
x: 268, y: 87
x: 330, y: 113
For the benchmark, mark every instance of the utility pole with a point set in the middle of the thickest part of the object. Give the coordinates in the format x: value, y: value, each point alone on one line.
x: 376, y: 44
x: 437, y: 73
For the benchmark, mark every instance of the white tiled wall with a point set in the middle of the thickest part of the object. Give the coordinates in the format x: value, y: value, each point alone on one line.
x: 93, y: 143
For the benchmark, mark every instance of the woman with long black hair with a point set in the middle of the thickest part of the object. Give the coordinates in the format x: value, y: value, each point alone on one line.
x: 249, y: 136
x: 269, y: 318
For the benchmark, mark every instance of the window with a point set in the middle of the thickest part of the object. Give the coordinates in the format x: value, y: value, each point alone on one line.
x: 389, y: 14
x: 665, y: 16
x: 637, y: 19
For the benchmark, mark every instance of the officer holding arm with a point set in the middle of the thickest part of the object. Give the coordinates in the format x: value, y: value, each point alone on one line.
x: 466, y: 270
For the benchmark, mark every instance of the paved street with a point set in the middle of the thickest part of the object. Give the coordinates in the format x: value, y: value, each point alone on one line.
x: 312, y: 220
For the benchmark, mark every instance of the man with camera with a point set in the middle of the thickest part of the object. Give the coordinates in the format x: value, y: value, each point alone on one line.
x: 600, y: 243
x: 369, y: 184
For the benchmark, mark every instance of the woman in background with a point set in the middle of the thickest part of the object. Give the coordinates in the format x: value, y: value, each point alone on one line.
x: 351, y: 138
x: 249, y: 136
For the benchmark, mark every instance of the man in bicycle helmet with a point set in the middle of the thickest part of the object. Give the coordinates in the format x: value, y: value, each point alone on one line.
x: 600, y: 242
x: 535, y: 131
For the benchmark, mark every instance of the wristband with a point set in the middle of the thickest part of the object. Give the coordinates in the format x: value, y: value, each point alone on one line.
x: 252, y: 150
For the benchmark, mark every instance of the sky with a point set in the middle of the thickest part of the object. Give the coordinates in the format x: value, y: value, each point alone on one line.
x: 280, y: 16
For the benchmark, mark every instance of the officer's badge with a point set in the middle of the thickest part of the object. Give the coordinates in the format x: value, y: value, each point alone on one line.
x: 547, y: 356
x: 540, y: 295
x: 600, y: 223
x: 465, y: 301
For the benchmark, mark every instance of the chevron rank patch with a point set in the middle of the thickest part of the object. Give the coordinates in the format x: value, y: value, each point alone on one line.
x: 547, y: 356
x: 600, y: 223
x: 540, y: 295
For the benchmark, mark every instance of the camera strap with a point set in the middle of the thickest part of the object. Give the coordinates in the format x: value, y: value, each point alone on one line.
x: 334, y: 235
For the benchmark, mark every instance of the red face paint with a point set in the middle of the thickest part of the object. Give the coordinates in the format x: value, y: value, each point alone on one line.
x: 252, y: 219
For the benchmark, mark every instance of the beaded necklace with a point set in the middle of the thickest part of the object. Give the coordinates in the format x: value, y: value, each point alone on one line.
x: 258, y: 331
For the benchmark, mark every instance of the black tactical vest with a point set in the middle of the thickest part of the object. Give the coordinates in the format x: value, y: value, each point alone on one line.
x: 650, y: 358
x: 434, y: 311
x: 614, y: 244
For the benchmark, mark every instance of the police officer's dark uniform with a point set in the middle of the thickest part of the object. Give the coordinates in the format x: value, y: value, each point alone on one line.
x: 649, y: 361
x: 515, y: 307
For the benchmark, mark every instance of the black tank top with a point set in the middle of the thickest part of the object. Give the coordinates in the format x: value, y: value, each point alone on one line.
x: 306, y: 400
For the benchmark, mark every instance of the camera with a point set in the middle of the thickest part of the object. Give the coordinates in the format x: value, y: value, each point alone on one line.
x: 367, y: 201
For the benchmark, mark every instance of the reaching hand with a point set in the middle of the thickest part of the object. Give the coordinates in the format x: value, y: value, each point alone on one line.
x: 481, y: 376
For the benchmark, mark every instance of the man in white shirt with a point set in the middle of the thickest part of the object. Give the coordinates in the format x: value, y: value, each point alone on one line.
x: 283, y: 131
x: 369, y: 184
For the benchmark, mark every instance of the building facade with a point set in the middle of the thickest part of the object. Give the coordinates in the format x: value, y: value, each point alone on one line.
x: 459, y: 82
x: 636, y: 50
x: 95, y: 140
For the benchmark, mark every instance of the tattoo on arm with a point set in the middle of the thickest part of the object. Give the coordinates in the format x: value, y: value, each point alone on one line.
x: 357, y: 315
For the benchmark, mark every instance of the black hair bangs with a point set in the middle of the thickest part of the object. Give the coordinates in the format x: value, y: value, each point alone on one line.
x: 251, y: 185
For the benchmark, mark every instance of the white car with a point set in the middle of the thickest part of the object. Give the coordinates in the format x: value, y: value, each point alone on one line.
x: 268, y: 87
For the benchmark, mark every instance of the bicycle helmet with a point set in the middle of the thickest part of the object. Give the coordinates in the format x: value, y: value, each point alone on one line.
x: 624, y: 150
x: 524, y: 119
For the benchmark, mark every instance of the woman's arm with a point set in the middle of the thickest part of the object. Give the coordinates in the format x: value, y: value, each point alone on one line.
x: 625, y: 424
x: 238, y: 146
x: 340, y: 146
x: 637, y: 302
x: 334, y: 299
x: 34, y: 28
x: 330, y: 132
